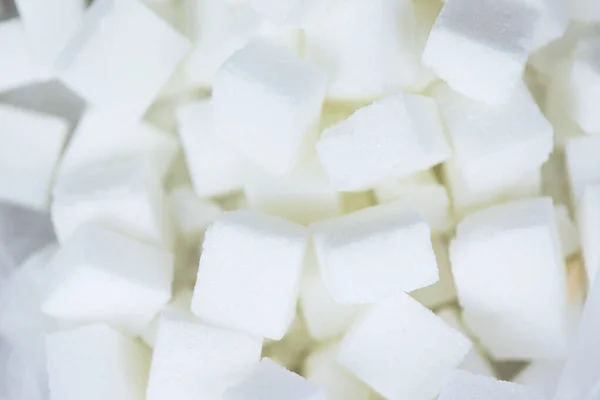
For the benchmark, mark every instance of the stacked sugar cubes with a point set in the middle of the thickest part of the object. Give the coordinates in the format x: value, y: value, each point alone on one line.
x: 303, y: 200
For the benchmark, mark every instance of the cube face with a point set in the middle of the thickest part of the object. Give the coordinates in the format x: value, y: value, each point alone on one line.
x: 374, y: 253
x: 102, y: 63
x: 389, y: 139
x: 193, y: 360
x: 19, y: 69
x: 97, y: 363
x: 103, y: 276
x: 583, y: 94
x: 214, y: 168
x: 276, y: 101
x: 249, y: 273
x: 494, y: 249
x: 495, y: 36
x: 268, y: 380
x: 467, y: 386
x: 402, y: 350
x: 495, y: 143
x: 27, y: 179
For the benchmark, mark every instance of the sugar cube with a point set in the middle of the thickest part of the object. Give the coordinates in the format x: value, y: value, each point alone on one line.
x: 114, y: 43
x: 495, y: 146
x: 249, y: 274
x: 374, y: 253
x: 100, y: 275
x: 325, y: 319
x: 214, y: 168
x: 475, y: 361
x: 370, y: 49
x: 510, y: 278
x: 479, y: 47
x: 96, y: 362
x: 322, y: 369
x: 304, y: 196
x: 20, y: 68
x: 402, y: 350
x: 102, y: 137
x: 466, y: 386
x: 49, y: 25
x: 125, y: 194
x: 193, y: 360
x: 270, y: 381
x: 276, y: 98
x: 392, y: 138
x: 297, y: 13
x: 31, y: 149
x: 443, y: 291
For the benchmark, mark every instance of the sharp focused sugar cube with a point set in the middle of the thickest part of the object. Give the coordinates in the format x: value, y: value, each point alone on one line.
x: 120, y: 57
x: 510, y: 278
x: 270, y: 381
x: 467, y: 386
x: 96, y: 362
x: 101, y: 137
x: 214, y: 168
x: 49, y: 25
x: 479, y: 47
x: 370, y: 49
x: 249, y: 274
x: 495, y: 146
x: 392, y: 138
x: 402, y: 350
x: 193, y: 360
x: 100, y: 275
x: 31, y: 147
x: 125, y: 194
x: 20, y: 68
x: 374, y: 253
x: 325, y: 318
x: 276, y: 98
x: 322, y: 369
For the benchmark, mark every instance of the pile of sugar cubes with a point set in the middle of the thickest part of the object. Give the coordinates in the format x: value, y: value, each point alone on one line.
x: 299, y: 199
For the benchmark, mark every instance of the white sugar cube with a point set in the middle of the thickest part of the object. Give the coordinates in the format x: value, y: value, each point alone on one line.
x: 193, y: 360
x: 495, y: 146
x: 374, y: 253
x: 475, y: 361
x: 214, y: 168
x: 588, y: 221
x: 582, y: 80
x: 95, y: 362
x: 125, y: 194
x: 49, y: 25
x: 249, y: 274
x: 542, y: 375
x: 325, y: 319
x: 298, y: 13
x: 31, y: 149
x: 443, y: 291
x: 269, y: 381
x: 479, y: 47
x: 191, y: 214
x: 402, y: 350
x: 20, y: 68
x: 428, y: 197
x: 569, y: 237
x: 304, y: 196
x: 392, y: 138
x: 466, y: 386
x: 370, y: 49
x: 120, y: 57
x: 583, y: 165
x: 510, y: 278
x: 322, y: 369
x: 276, y: 98
x: 102, y: 137
x: 100, y: 275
